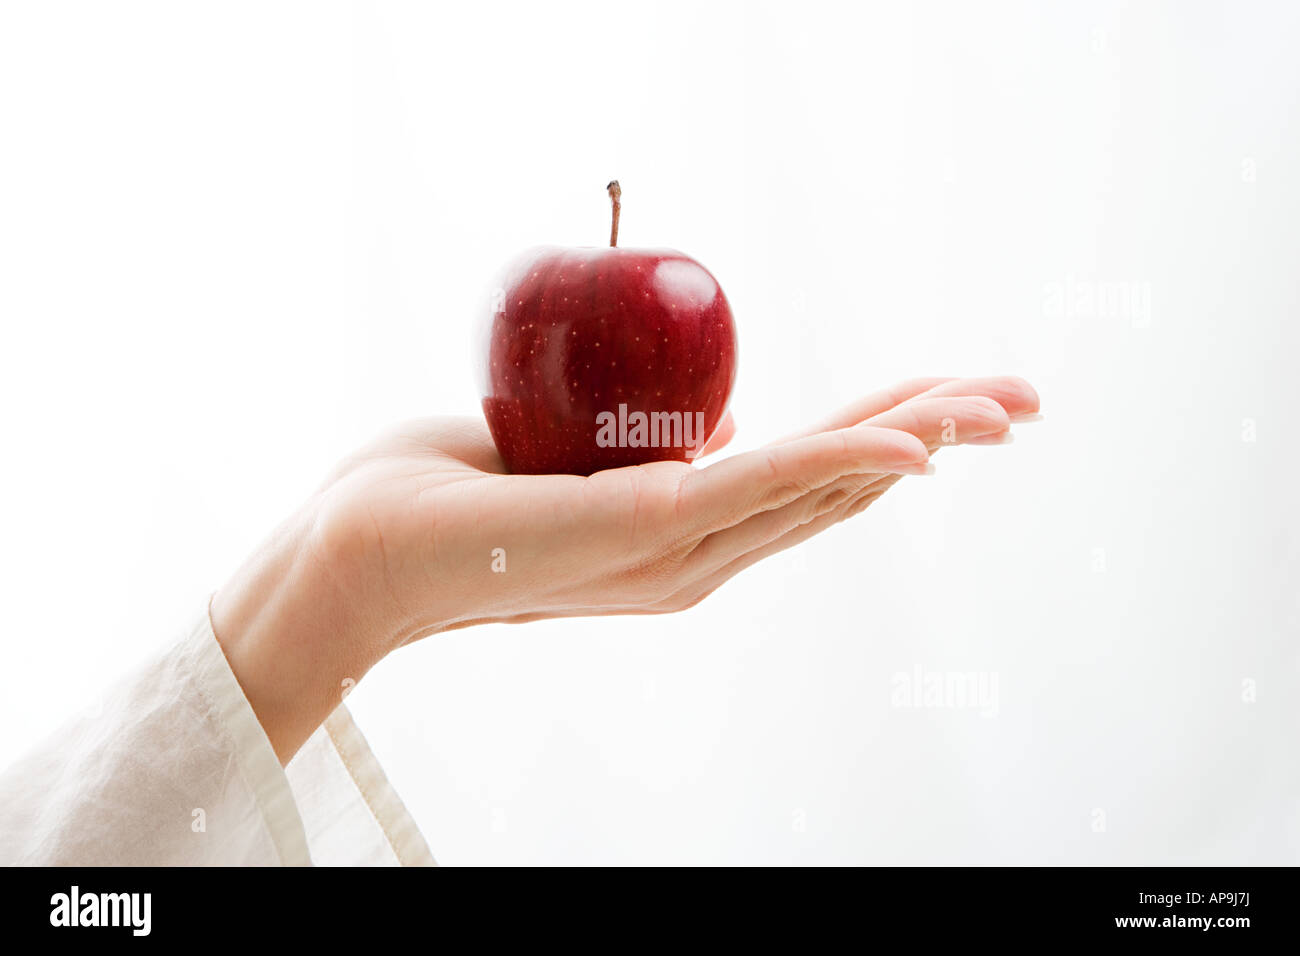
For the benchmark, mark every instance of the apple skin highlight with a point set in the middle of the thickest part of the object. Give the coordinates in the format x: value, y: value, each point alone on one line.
x: 578, y: 332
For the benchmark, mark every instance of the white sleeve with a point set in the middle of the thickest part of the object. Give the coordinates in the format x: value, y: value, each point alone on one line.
x: 174, y: 769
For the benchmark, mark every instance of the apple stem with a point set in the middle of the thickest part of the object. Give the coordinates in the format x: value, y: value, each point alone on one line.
x: 615, y: 195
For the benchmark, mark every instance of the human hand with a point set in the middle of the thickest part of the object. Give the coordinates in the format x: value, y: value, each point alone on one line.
x: 422, y: 531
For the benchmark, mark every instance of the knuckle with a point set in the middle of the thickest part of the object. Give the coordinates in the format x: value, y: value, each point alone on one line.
x: 832, y: 500
x: 783, y: 493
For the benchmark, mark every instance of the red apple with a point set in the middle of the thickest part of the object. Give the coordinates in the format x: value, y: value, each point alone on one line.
x: 604, y: 357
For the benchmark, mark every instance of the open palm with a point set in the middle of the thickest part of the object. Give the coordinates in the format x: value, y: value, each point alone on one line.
x: 431, y: 534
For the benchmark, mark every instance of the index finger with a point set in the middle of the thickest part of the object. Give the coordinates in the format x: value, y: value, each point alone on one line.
x: 1014, y: 394
x: 870, y: 405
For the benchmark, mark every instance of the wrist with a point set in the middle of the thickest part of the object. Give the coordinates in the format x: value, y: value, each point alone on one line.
x: 292, y: 637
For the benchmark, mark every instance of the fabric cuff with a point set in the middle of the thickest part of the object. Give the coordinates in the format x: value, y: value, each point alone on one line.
x: 251, y: 748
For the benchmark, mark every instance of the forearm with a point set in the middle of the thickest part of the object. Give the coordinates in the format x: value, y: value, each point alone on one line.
x: 291, y: 635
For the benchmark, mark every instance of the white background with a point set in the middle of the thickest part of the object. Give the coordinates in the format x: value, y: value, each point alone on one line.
x: 238, y: 238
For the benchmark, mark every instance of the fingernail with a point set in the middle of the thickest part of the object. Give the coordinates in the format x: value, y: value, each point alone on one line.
x: 1004, y: 438
x: 920, y: 468
x: 1024, y: 417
